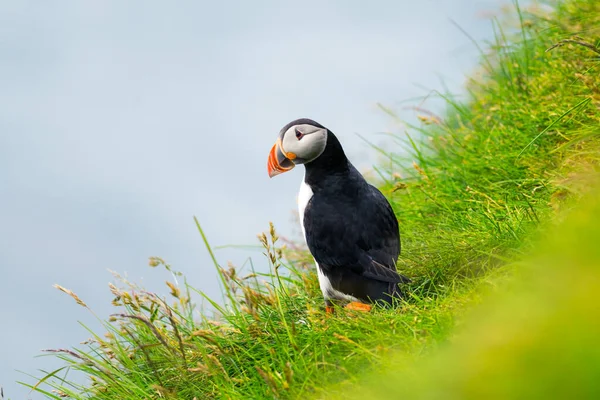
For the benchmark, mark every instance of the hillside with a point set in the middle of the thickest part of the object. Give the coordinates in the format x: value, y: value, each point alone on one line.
x: 496, y: 204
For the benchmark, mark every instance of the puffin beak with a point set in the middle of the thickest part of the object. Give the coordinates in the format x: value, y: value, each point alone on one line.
x: 278, y: 163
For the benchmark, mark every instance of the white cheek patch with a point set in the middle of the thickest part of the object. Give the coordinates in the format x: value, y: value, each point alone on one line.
x: 309, y: 147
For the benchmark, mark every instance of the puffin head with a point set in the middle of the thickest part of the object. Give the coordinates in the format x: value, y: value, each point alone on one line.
x: 299, y: 142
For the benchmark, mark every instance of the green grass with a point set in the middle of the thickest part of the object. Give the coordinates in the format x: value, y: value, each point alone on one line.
x: 476, y: 192
x: 535, y: 339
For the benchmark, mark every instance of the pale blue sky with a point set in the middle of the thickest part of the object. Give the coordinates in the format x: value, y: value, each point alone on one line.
x: 119, y: 121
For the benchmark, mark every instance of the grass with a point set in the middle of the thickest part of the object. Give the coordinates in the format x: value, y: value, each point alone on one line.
x: 476, y: 192
x: 535, y: 339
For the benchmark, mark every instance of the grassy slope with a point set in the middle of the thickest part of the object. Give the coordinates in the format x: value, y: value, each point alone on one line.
x: 536, y: 339
x: 484, y: 179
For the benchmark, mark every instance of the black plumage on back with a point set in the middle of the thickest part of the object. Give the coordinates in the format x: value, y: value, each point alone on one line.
x: 351, y: 229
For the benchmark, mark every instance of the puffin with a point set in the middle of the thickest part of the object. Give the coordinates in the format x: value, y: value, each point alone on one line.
x: 349, y: 226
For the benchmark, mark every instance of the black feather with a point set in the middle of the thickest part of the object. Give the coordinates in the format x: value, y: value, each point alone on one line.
x: 351, y: 229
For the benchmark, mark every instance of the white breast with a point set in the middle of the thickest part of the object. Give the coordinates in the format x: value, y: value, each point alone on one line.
x: 304, y: 197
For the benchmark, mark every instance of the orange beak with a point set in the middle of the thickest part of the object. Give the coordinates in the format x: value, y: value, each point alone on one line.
x: 278, y: 163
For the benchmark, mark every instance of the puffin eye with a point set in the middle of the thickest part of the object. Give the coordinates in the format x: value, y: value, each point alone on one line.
x: 299, y: 134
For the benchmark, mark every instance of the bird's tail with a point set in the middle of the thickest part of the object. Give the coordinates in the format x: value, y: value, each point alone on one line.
x: 395, y: 291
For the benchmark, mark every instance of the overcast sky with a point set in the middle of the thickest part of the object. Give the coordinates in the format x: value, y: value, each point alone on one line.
x: 121, y: 120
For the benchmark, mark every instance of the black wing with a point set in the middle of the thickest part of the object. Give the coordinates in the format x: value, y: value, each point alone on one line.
x: 358, y: 234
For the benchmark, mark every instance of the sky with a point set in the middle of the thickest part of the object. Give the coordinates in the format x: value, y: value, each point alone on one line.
x: 120, y: 121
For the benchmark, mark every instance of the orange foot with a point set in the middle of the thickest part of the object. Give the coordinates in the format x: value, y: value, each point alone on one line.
x: 329, y: 309
x: 356, y: 306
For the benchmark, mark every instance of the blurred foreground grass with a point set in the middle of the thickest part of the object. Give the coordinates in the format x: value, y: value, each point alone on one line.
x: 475, y: 192
x: 537, y: 338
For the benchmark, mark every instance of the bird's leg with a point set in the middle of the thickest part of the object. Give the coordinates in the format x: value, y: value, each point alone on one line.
x: 329, y: 307
x: 357, y: 306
